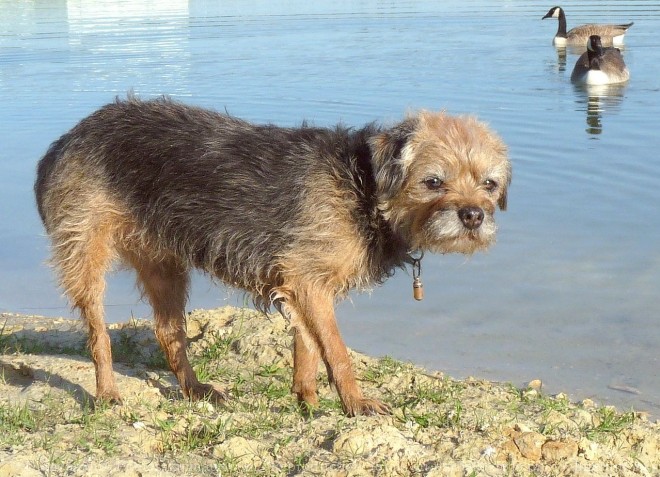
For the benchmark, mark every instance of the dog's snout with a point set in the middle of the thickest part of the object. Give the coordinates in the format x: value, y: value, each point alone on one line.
x: 472, y: 217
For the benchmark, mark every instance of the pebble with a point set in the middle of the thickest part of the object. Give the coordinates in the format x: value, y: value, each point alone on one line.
x: 522, y: 427
x: 589, y: 449
x: 536, y: 384
x: 588, y: 403
x: 557, y: 450
x: 139, y: 425
x: 529, y: 444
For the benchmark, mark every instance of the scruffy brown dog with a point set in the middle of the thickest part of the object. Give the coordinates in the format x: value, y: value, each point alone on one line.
x: 295, y: 216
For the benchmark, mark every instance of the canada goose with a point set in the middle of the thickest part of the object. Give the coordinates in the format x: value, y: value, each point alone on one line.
x: 600, y: 66
x: 610, y: 34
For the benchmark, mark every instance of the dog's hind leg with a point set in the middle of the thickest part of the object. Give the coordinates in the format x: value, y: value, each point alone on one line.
x: 164, y: 281
x: 82, y: 253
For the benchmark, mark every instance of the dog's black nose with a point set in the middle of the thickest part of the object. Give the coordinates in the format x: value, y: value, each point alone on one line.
x: 472, y: 217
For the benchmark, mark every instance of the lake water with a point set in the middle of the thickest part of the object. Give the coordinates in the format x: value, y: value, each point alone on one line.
x: 568, y: 295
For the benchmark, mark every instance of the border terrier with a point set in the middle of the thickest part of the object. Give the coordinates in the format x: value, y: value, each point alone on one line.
x: 297, y: 217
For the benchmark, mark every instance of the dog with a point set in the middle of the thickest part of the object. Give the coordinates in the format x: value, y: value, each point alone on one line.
x: 297, y: 217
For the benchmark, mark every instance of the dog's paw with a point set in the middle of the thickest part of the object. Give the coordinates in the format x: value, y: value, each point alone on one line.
x: 367, y: 407
x: 109, y: 396
x: 207, y: 392
x: 307, y: 397
x: 308, y: 402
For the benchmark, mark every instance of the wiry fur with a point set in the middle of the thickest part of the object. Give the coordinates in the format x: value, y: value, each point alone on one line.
x: 295, y: 216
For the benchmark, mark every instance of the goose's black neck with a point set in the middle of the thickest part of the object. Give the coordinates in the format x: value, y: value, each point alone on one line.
x: 561, y: 30
x: 595, y: 53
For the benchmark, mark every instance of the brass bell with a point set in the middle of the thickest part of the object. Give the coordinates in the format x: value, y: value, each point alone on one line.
x: 418, y: 289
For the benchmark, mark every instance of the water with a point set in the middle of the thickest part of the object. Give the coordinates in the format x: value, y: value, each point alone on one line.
x: 568, y: 294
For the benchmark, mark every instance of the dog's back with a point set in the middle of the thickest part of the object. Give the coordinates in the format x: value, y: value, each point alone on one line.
x: 45, y: 172
x: 217, y: 192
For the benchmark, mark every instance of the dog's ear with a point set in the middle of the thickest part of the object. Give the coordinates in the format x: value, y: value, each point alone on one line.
x: 386, y: 156
x: 502, y: 201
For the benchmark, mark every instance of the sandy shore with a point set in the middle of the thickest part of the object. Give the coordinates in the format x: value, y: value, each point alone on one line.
x: 439, y: 427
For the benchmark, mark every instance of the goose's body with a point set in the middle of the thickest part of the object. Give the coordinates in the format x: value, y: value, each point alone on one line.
x: 610, y: 34
x: 600, y: 66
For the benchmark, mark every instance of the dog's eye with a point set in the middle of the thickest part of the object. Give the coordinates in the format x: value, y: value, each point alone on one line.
x: 490, y: 185
x: 434, y: 183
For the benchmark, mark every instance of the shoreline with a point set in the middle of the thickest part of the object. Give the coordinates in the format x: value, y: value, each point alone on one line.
x: 439, y: 426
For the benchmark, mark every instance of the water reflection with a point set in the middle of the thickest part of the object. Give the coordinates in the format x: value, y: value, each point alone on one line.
x: 563, y: 53
x: 596, y: 100
x: 561, y: 58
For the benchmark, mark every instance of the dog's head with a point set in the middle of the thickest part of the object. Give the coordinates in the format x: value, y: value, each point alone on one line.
x: 440, y: 179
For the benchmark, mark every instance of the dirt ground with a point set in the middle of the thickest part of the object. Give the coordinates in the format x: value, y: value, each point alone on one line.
x: 49, y: 424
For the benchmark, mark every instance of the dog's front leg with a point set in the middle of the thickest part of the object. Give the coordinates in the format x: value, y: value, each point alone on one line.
x: 305, y: 367
x: 317, y: 327
x: 305, y: 356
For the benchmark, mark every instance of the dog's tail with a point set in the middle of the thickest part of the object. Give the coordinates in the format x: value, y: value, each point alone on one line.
x: 45, y: 172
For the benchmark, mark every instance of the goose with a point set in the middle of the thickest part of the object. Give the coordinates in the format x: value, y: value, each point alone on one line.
x: 600, y: 66
x: 610, y: 34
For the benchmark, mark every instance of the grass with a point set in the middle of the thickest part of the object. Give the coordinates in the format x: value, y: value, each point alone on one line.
x: 265, y: 412
x: 430, y: 403
x: 4, y: 338
x: 433, y: 412
x: 385, y: 368
x: 218, y: 345
x: 94, y: 427
x: 523, y: 401
x: 183, y: 432
x: 426, y: 416
x: 16, y: 423
x: 608, y: 423
x: 12, y: 344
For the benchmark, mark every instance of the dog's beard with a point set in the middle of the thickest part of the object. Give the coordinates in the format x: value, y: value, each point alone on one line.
x: 444, y: 232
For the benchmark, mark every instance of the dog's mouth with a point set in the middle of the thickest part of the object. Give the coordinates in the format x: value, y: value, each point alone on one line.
x: 466, y: 230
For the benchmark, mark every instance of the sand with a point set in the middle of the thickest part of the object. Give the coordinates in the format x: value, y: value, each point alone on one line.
x: 49, y: 424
